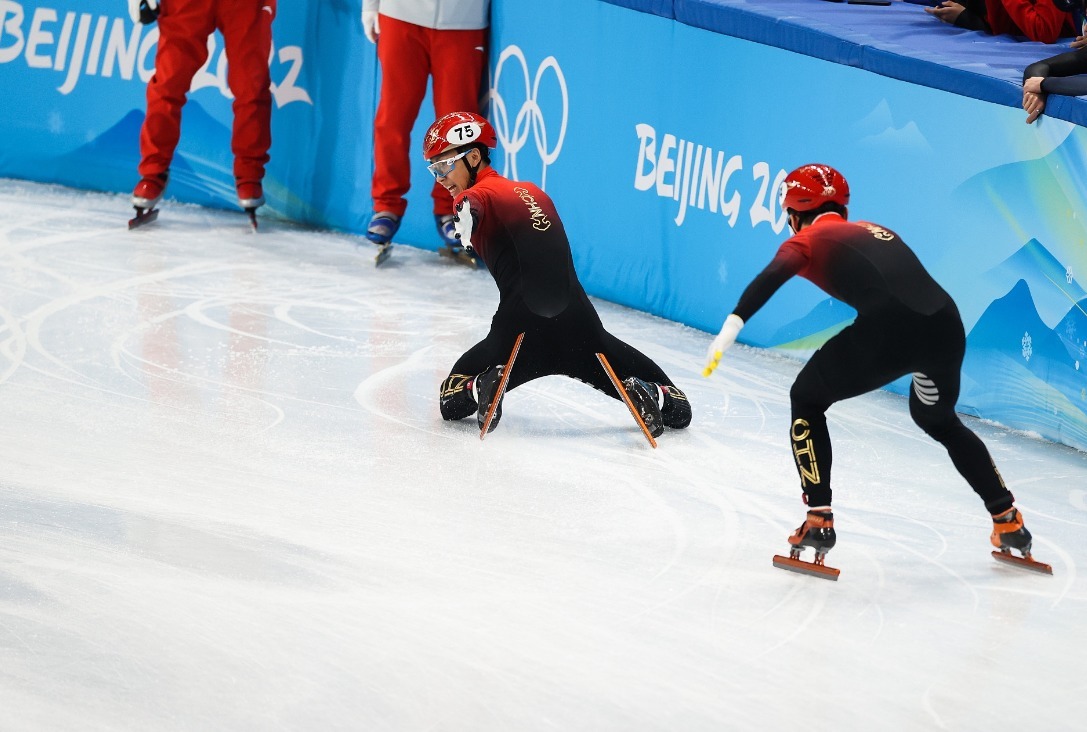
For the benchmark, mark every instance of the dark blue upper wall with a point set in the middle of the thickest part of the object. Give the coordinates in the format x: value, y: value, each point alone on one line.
x: 656, y: 7
x: 900, y: 41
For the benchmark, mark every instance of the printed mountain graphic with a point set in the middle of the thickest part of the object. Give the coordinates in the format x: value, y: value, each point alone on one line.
x: 201, y: 172
x: 830, y: 316
x: 1012, y: 329
x: 1047, y: 392
x: 1045, y: 275
x: 107, y: 163
x: 1005, y: 323
x: 1072, y: 330
x: 1031, y: 182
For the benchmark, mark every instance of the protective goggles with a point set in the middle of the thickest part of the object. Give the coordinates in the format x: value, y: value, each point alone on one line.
x: 442, y: 168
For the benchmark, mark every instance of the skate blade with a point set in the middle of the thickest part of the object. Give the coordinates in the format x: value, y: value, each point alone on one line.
x: 383, y: 253
x: 802, y: 567
x: 460, y: 257
x: 501, y: 390
x: 143, y: 218
x: 1023, y: 562
x: 252, y: 213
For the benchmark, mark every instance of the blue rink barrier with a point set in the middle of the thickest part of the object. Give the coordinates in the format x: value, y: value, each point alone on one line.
x: 73, y: 75
x: 664, y: 155
x: 662, y: 137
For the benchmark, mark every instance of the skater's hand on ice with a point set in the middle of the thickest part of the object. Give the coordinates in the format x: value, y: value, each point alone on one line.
x: 134, y: 8
x: 722, y: 342
x: 370, y: 25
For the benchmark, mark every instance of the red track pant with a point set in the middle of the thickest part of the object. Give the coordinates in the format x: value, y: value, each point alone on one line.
x: 184, y: 28
x: 410, y: 53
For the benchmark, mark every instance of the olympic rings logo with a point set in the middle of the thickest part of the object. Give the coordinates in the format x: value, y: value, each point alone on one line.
x: 513, y: 137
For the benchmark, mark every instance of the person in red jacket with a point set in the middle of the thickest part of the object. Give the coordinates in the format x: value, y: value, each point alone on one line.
x: 184, y: 27
x: 514, y: 228
x: 906, y: 324
x: 1038, y: 20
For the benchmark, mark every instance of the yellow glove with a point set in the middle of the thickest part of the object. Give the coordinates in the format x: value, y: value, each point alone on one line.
x: 722, y: 342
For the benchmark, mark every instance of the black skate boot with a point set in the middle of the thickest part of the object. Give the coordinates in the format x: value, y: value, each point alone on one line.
x: 643, y: 396
x: 816, y: 532
x: 485, y: 387
x: 677, y: 410
x: 1009, y: 534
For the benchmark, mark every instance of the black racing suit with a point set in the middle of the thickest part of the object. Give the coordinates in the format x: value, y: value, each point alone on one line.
x: 518, y: 234
x: 906, y: 323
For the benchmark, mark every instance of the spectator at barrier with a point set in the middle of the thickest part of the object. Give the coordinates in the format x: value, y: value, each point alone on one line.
x: 1060, y: 74
x: 184, y: 28
x: 1038, y: 20
x: 416, y: 39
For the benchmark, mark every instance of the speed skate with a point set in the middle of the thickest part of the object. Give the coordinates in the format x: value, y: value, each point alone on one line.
x: 143, y: 217
x: 816, y: 568
x: 1009, y: 534
x: 1024, y: 562
x: 816, y: 532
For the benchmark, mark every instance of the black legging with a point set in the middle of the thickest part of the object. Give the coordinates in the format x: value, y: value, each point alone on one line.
x: 871, y: 353
x: 566, y: 344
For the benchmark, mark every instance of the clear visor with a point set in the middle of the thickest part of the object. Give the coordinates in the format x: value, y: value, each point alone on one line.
x: 442, y: 168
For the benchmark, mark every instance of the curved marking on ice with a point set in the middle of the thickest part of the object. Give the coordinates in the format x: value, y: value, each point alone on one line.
x: 37, y: 318
x: 387, y: 376
x: 282, y: 314
x: 926, y: 704
x: 14, y: 346
x: 195, y: 312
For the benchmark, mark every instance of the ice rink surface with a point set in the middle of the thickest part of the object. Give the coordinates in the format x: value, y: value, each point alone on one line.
x: 228, y: 502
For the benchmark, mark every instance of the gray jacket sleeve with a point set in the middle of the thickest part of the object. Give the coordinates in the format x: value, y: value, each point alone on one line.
x: 436, y: 14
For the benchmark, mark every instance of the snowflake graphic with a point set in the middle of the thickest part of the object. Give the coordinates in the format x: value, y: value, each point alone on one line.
x: 1068, y: 275
x: 1028, y: 348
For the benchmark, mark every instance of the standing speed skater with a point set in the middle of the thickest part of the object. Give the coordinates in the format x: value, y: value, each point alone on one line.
x: 514, y: 228
x: 906, y: 324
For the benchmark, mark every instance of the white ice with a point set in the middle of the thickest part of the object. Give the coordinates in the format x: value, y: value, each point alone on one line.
x: 228, y: 502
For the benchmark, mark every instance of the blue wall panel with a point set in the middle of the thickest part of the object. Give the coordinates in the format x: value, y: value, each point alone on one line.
x: 662, y: 144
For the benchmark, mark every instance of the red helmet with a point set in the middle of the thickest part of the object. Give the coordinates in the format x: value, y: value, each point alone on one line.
x: 810, y: 186
x: 456, y: 129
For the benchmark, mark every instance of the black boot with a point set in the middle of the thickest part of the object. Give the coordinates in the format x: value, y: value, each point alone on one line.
x: 817, y: 531
x: 643, y: 396
x: 485, y: 387
x: 677, y: 410
x: 1010, y: 533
